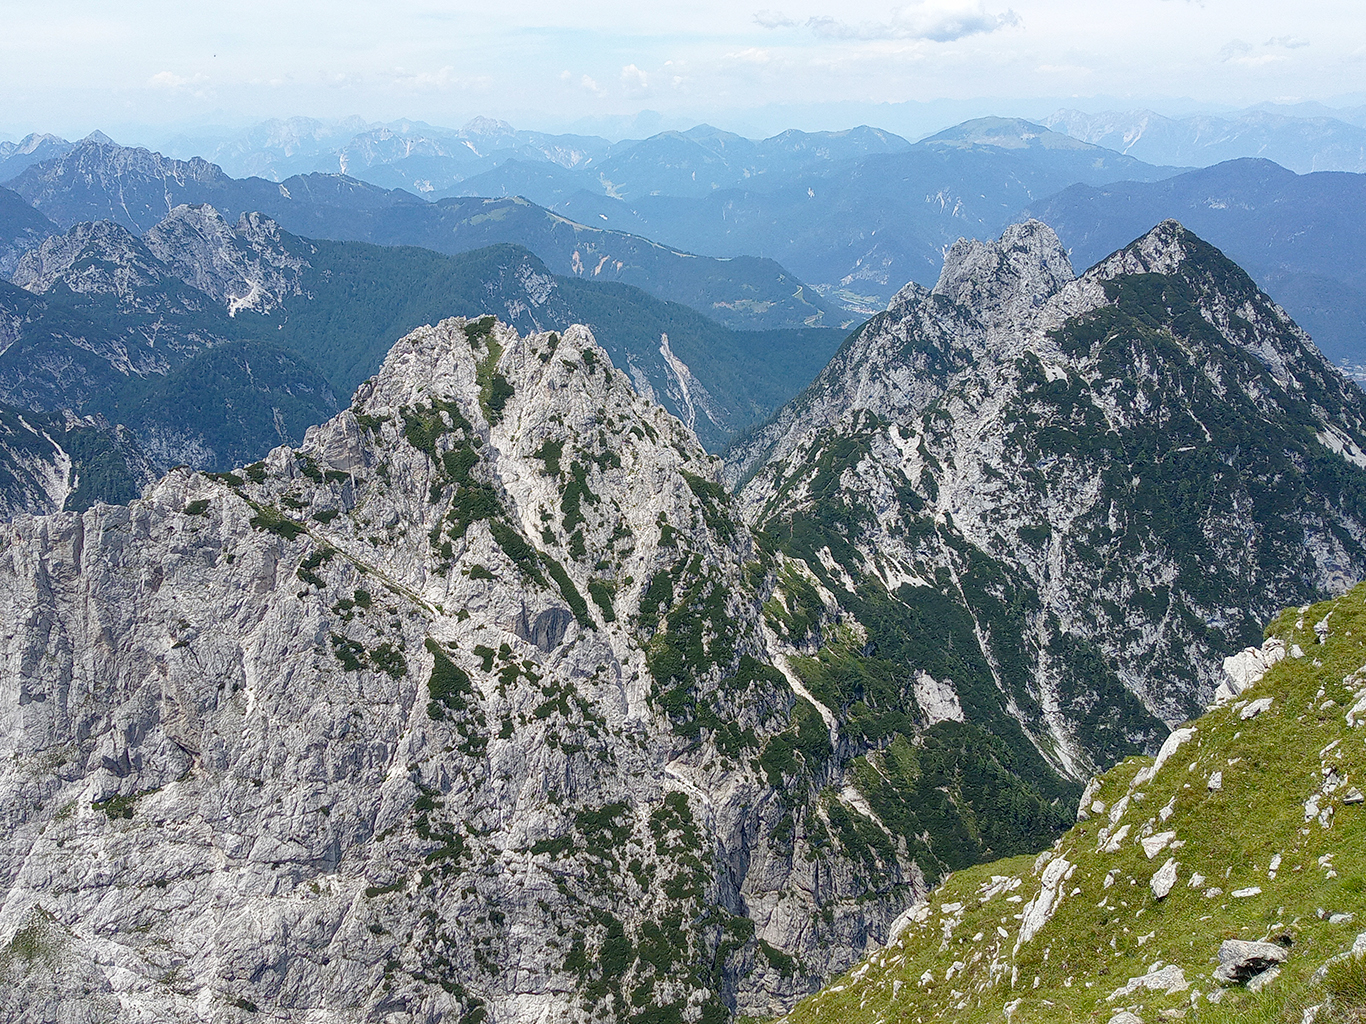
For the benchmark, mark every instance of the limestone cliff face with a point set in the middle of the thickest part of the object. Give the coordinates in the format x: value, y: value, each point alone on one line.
x: 101, y: 258
x: 1090, y: 489
x: 245, y: 267
x: 462, y: 710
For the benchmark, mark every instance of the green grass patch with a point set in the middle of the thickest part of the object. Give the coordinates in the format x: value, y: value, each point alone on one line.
x: 272, y: 521
x: 1250, y: 863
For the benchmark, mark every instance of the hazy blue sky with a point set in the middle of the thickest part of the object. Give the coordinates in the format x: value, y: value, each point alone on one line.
x: 74, y: 65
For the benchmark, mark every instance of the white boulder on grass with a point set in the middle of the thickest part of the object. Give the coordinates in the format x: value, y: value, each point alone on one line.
x: 1164, y: 879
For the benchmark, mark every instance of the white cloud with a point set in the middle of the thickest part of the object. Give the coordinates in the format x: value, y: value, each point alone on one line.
x: 634, y: 81
x: 78, y: 67
x: 773, y: 19
x: 341, y: 79
x: 170, y: 80
x: 1246, y: 55
x: 1064, y: 69
x: 939, y: 22
x: 750, y: 55
x: 428, y: 81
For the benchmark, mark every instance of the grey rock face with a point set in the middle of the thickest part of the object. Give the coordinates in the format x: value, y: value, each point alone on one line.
x: 1006, y: 279
x: 96, y: 258
x: 99, y: 180
x: 1241, y: 961
x: 243, y: 267
x: 462, y: 710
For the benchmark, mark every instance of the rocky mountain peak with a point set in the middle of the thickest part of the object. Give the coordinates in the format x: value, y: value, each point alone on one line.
x: 31, y: 143
x: 100, y: 180
x: 477, y: 686
x: 911, y: 293
x: 1161, y: 251
x: 92, y: 258
x: 1002, y: 280
x: 487, y: 127
x: 1059, y: 430
x: 100, y: 157
x: 244, y: 267
x: 1172, y: 276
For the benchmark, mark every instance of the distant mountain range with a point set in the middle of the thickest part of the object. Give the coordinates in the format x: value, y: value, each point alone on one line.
x: 136, y: 188
x: 1302, y: 143
x: 859, y: 212
x: 1300, y: 236
x: 800, y: 230
x: 215, y: 342
x: 857, y: 229
x: 433, y: 161
x: 21, y: 228
x: 50, y: 462
x: 34, y: 149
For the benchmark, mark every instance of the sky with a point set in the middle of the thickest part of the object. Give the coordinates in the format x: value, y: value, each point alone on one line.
x: 72, y: 66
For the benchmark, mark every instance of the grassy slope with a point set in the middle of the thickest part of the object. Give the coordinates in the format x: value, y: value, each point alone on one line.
x: 959, y: 957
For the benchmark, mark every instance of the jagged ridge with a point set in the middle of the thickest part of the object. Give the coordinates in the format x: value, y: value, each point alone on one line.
x: 1089, y: 490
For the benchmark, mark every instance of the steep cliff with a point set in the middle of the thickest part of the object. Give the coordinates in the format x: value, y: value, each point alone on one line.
x: 461, y: 710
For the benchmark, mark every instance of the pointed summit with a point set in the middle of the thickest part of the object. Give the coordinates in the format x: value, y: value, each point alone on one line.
x: 1002, y: 279
x: 1154, y: 435
x: 1160, y: 251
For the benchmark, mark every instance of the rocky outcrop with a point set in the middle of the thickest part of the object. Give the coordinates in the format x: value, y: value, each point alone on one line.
x: 1241, y: 961
x: 1163, y: 879
x: 462, y: 708
x: 1247, y: 667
